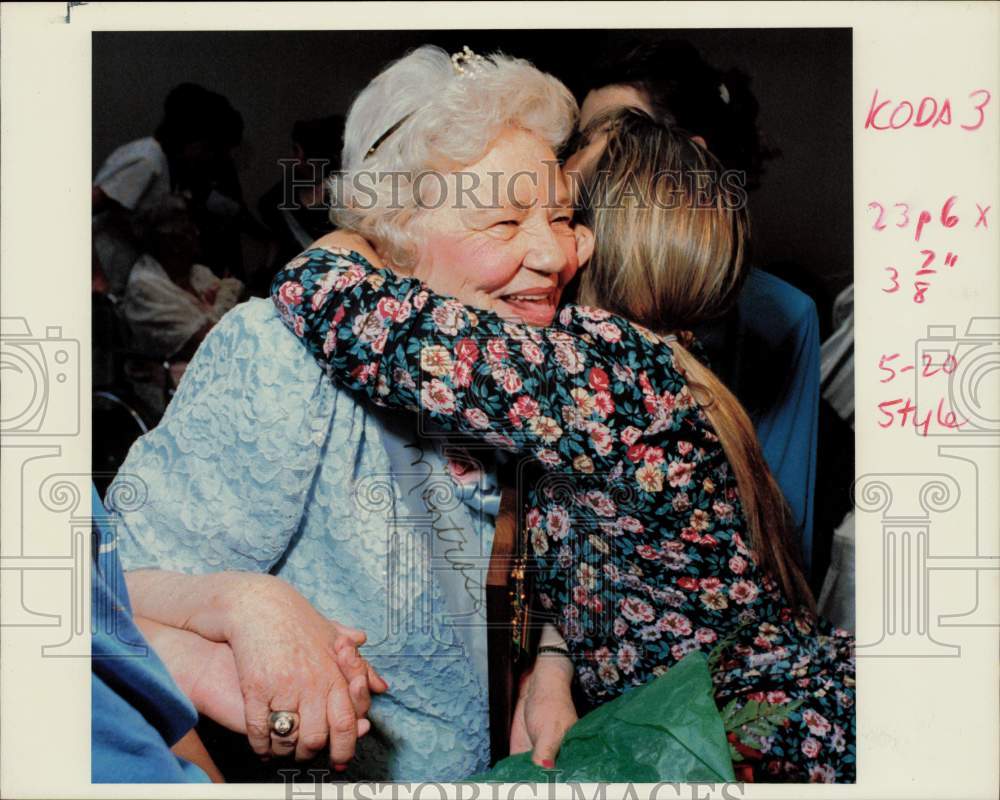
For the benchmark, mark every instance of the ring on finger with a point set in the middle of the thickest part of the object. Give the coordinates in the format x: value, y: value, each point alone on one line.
x: 283, y: 723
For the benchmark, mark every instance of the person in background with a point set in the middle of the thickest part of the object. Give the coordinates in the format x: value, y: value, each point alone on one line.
x: 171, y: 302
x: 836, y: 600
x: 196, y: 130
x: 296, y: 209
x: 138, y: 713
x: 217, y: 203
x: 767, y: 349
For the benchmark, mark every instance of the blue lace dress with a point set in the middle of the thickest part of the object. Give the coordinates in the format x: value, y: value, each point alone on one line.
x: 261, y: 464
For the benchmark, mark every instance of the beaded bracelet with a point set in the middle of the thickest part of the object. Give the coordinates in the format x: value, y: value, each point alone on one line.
x: 554, y: 649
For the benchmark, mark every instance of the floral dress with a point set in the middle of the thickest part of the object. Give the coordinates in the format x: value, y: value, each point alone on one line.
x: 638, y: 538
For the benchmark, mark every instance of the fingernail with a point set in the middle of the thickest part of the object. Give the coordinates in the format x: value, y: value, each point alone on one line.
x: 339, y: 767
x: 548, y: 763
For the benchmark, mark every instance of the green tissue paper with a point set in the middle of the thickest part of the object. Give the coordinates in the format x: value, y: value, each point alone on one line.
x: 667, y: 730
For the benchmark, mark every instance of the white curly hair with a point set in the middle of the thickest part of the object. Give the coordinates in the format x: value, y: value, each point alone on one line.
x: 437, y: 119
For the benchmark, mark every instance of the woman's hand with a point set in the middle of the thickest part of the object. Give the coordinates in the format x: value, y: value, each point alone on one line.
x: 544, y: 710
x: 288, y: 657
x: 204, y: 670
x: 291, y: 658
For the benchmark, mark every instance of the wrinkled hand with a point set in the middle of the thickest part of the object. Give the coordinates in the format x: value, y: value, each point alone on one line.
x: 544, y: 711
x: 291, y: 658
x: 206, y: 672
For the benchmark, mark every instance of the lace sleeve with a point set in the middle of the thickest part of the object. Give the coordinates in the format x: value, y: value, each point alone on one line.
x: 226, y: 474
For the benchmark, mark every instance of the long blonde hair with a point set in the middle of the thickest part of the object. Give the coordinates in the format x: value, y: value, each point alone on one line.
x: 671, y: 233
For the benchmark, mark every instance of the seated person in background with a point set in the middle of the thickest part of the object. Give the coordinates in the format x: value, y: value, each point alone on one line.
x: 767, y: 349
x: 296, y: 209
x: 171, y: 302
x: 139, y: 174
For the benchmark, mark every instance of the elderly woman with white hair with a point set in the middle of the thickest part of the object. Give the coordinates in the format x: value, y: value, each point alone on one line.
x: 277, y: 509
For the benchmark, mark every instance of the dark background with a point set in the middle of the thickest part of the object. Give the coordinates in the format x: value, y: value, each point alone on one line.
x: 802, y: 222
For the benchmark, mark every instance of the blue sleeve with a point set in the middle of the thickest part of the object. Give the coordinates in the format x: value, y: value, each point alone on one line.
x: 125, y: 748
x: 137, y: 710
x: 226, y: 475
x: 785, y: 321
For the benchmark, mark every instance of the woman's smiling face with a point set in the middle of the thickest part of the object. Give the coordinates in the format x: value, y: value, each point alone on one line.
x: 504, y: 230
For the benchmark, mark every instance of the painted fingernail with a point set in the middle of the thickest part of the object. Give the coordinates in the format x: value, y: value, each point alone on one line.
x: 548, y: 763
x: 339, y: 767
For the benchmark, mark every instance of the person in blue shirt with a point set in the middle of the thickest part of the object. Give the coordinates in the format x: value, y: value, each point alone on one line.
x: 767, y: 349
x: 137, y: 710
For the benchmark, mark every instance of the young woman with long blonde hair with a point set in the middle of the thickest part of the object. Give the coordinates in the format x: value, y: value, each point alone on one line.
x: 657, y: 528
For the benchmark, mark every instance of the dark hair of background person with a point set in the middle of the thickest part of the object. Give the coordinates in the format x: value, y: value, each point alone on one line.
x: 290, y: 207
x: 321, y: 139
x: 684, y: 90
x: 192, y: 113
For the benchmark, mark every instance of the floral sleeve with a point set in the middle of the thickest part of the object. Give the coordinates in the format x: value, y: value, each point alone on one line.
x: 576, y: 396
